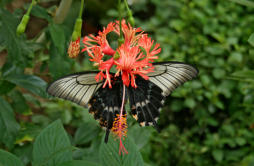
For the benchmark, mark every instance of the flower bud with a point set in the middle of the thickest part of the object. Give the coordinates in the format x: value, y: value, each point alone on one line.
x: 130, y: 18
x: 77, y: 29
x: 22, y: 26
x: 74, y: 48
x: 131, y: 21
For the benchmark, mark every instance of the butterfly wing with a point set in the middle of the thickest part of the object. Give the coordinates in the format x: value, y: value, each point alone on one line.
x: 106, y: 104
x: 169, y: 75
x: 78, y: 87
x: 145, y: 102
x: 82, y: 88
x: 148, y: 98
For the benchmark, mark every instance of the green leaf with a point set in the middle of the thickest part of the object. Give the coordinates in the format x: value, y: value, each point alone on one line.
x: 217, y: 155
x: 52, y: 146
x: 78, y: 163
x: 240, y: 141
x: 19, y: 103
x: 251, y: 39
x: 235, y: 58
x: 244, y: 2
x: 9, y: 68
x: 40, y: 12
x: 32, y: 83
x: 140, y: 135
x: 8, y: 126
x: 13, y: 43
x: 8, y: 159
x: 58, y: 37
x: 85, y: 133
x: 58, y: 65
x: 5, y: 87
x: 109, y: 153
x: 219, y: 73
x: 248, y: 74
x: 190, y: 103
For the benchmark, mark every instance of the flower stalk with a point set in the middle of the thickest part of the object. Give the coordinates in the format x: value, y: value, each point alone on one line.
x: 120, y: 11
x: 22, y: 26
x: 129, y: 13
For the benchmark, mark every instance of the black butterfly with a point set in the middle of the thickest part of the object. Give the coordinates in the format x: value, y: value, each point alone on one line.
x: 104, y: 103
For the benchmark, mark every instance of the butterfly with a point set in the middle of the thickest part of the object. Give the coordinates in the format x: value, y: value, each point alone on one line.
x: 145, y: 101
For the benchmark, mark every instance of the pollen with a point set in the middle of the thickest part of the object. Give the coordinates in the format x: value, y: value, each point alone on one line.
x: 120, y: 126
x: 120, y: 131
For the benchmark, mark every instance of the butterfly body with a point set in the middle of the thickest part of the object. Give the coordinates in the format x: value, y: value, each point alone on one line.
x: 146, y: 100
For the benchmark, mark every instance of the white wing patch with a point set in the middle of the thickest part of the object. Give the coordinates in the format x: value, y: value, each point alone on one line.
x: 78, y: 88
x: 169, y: 75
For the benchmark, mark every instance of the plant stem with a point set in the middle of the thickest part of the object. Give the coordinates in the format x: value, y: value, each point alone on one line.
x: 120, y: 22
x: 30, y: 7
x: 81, y: 9
x: 126, y: 5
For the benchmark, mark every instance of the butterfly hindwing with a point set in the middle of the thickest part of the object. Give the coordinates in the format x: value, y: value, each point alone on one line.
x: 145, y: 102
x: 106, y: 104
x: 147, y: 99
x: 78, y: 87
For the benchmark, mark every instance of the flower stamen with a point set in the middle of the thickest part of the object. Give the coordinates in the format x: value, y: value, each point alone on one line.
x: 120, y: 126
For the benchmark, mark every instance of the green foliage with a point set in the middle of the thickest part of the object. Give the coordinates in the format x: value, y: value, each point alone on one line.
x: 7, y: 158
x: 208, y: 121
x: 109, y: 153
x: 52, y: 146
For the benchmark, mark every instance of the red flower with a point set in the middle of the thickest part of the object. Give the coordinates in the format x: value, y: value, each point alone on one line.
x: 101, y: 40
x: 132, y: 62
x: 133, y: 57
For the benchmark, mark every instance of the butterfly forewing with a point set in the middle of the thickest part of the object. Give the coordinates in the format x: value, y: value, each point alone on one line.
x: 169, y: 75
x: 78, y: 87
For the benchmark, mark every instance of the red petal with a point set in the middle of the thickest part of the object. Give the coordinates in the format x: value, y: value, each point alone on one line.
x: 125, y: 78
